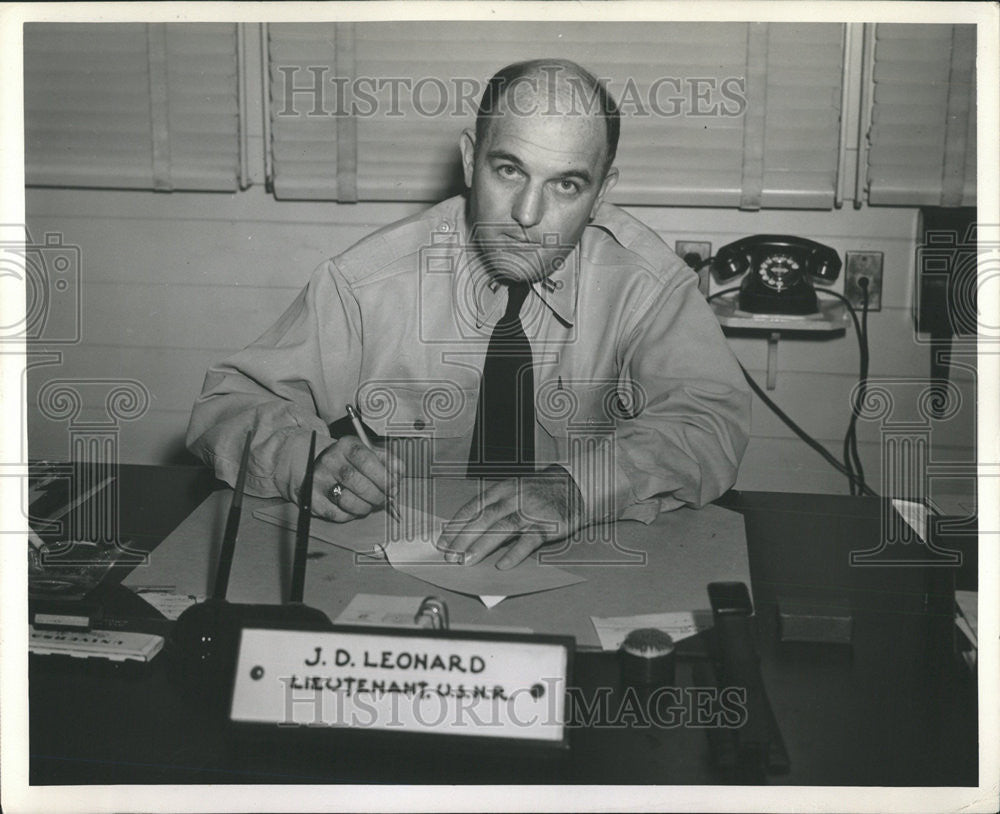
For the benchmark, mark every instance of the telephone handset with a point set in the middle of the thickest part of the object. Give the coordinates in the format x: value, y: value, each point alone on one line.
x: 780, y: 268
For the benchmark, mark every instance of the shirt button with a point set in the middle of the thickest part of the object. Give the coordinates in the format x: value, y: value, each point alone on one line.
x: 419, y: 424
x: 445, y: 227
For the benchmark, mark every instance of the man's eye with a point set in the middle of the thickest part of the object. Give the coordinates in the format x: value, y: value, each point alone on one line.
x: 507, y: 171
x: 568, y: 187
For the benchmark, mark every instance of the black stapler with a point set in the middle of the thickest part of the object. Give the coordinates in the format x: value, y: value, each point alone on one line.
x: 205, y: 637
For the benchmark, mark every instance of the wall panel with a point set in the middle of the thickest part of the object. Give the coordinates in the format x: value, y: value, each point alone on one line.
x: 172, y: 282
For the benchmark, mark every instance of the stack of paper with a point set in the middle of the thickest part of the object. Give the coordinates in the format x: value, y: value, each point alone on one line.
x: 418, y: 556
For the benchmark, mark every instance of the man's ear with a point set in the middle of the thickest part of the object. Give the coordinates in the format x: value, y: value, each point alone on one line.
x: 610, y: 179
x: 467, y: 144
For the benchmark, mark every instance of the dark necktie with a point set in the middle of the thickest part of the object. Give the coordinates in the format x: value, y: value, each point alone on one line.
x: 503, y: 441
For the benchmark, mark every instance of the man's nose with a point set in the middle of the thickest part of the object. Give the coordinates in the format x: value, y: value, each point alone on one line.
x: 528, y: 206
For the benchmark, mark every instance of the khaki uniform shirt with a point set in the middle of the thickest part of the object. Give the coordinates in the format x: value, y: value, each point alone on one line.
x: 637, y: 393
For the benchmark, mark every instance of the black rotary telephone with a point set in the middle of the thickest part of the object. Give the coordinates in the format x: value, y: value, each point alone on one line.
x: 780, y: 268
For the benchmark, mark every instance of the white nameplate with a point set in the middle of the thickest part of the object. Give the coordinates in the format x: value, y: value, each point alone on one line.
x: 399, y: 682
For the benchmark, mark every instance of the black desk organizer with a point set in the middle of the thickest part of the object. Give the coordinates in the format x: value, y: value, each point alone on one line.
x: 757, y: 748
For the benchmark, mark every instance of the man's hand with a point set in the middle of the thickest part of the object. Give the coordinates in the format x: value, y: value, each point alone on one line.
x: 529, y: 511
x: 364, y: 477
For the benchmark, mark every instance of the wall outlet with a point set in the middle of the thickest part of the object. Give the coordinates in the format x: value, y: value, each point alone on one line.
x: 864, y: 264
x: 685, y: 247
x: 687, y: 250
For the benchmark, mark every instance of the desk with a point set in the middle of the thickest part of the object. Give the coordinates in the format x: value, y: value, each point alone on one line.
x: 896, y: 709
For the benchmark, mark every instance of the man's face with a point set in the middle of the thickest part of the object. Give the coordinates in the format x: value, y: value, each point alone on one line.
x: 533, y: 185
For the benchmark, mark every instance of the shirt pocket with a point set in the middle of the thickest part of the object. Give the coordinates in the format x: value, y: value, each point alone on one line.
x: 587, y: 407
x: 438, y: 409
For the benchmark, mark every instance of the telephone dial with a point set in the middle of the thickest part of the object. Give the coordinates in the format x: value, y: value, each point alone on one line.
x: 779, y: 271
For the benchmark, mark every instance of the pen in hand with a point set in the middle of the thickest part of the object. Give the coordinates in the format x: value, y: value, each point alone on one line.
x: 390, y: 504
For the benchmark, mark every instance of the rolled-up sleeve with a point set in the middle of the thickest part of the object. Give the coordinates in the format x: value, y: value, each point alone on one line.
x: 294, y: 379
x: 690, y: 414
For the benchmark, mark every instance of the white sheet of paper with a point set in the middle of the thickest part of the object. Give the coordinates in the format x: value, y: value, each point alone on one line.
x: 167, y: 602
x: 915, y: 515
x: 612, y: 630
x: 383, y: 610
x: 419, y: 557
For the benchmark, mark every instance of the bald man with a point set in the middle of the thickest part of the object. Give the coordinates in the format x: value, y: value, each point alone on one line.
x: 527, y: 333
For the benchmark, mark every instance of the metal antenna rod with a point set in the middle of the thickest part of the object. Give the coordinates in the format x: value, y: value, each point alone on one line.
x: 232, y: 527
x: 302, y: 528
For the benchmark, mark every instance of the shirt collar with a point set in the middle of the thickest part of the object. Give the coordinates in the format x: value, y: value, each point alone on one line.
x: 473, y: 285
x: 557, y: 291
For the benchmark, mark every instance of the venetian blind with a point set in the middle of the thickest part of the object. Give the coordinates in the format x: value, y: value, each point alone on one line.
x: 923, y: 134
x: 721, y: 114
x: 131, y: 106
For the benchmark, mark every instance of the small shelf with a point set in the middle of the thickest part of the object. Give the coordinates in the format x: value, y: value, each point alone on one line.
x: 832, y: 317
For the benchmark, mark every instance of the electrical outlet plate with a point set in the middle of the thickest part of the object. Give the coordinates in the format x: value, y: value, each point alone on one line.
x: 686, y: 247
x: 864, y: 264
x: 704, y: 251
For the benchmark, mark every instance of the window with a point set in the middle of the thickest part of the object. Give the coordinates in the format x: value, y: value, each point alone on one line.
x: 132, y: 106
x: 923, y: 133
x: 721, y: 114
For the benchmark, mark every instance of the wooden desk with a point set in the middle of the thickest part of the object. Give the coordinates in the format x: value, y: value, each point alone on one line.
x: 895, y: 709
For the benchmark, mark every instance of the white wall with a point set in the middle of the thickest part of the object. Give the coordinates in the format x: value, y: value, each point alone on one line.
x: 172, y: 282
